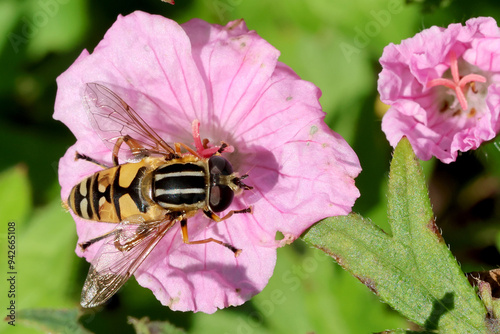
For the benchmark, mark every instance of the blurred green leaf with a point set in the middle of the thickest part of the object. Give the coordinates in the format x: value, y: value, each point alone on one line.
x: 46, y: 259
x: 31, y: 150
x: 413, y: 270
x: 15, y: 196
x: 52, y: 321
x: 431, y: 5
x: 146, y: 326
x: 9, y: 10
x: 15, y: 207
x: 44, y: 20
x: 489, y: 154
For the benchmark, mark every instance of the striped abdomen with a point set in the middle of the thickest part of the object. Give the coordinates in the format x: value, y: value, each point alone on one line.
x: 111, y: 195
x: 181, y: 186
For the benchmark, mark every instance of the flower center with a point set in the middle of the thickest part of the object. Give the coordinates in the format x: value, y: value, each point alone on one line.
x: 464, y: 88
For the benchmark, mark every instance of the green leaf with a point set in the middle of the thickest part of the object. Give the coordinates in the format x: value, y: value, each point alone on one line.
x: 413, y: 270
x: 146, y: 326
x: 15, y: 196
x: 489, y: 154
x: 44, y: 262
x: 46, y: 259
x: 44, y: 20
x: 52, y: 321
x: 9, y: 10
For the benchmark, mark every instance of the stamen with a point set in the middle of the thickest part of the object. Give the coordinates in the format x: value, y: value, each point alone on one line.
x: 458, y: 84
x: 202, y: 147
x: 195, y: 128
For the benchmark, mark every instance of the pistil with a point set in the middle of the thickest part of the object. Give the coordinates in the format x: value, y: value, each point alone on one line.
x: 458, y: 84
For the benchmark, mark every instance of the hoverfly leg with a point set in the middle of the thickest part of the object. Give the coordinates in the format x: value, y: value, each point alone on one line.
x: 216, y: 218
x: 140, y: 233
x: 118, y: 233
x: 86, y: 244
x: 79, y: 156
x: 178, y: 147
x: 124, y: 247
x: 185, y: 239
x: 135, y: 147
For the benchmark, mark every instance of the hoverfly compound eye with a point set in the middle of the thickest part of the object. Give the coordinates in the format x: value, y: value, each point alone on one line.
x: 219, y: 166
x: 221, y: 197
x: 221, y: 194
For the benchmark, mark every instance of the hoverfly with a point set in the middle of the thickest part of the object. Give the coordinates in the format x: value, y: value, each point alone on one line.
x: 146, y: 197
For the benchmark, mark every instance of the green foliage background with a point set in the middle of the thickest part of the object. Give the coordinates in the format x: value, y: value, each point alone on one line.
x: 334, y: 44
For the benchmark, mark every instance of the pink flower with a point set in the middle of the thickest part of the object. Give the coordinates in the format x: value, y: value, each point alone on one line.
x: 442, y: 89
x: 229, y: 79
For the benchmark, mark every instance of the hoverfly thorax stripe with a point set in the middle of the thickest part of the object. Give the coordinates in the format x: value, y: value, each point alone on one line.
x: 179, y: 184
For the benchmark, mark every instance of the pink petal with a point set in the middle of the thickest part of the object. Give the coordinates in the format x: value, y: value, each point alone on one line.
x: 237, y: 63
x: 207, y: 277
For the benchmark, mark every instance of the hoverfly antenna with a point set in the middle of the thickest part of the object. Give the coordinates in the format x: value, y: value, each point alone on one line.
x: 249, y: 170
x: 222, y: 147
x: 225, y: 148
x: 237, y: 181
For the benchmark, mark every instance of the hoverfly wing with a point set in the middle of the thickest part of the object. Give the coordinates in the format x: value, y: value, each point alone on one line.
x: 112, y: 118
x: 119, y: 257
